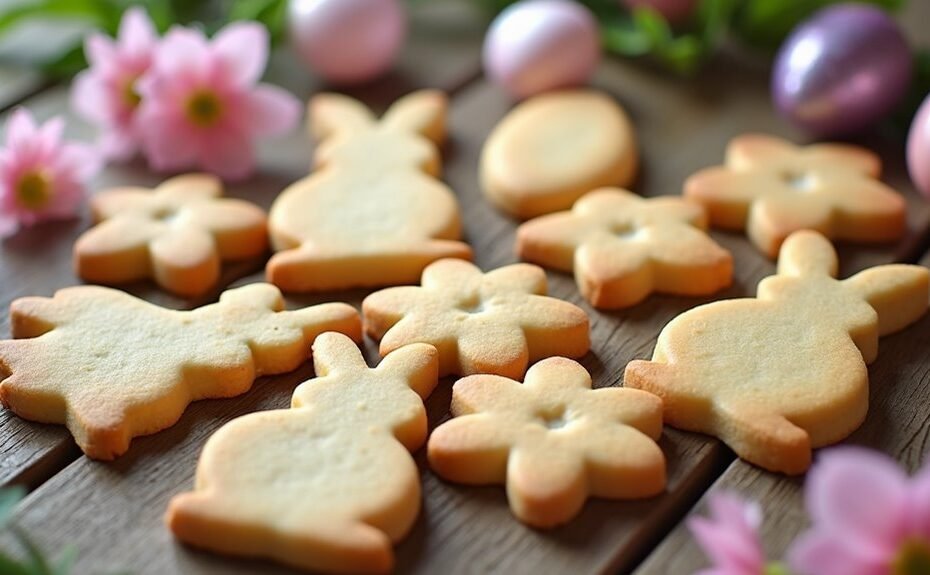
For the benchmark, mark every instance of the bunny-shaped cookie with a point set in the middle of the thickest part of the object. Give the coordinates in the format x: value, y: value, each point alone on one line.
x: 373, y: 213
x: 777, y: 375
x: 327, y: 485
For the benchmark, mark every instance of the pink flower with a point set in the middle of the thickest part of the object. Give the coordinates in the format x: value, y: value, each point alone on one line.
x: 107, y: 93
x: 868, y: 517
x: 41, y: 177
x: 201, y: 104
x: 730, y: 536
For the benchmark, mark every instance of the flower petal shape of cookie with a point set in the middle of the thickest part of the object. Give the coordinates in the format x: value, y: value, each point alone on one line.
x: 177, y: 234
x: 374, y: 212
x: 552, y: 440
x: 111, y: 367
x: 553, y: 148
x: 772, y: 188
x: 498, y: 322
x: 326, y: 485
x: 623, y: 247
x: 785, y: 372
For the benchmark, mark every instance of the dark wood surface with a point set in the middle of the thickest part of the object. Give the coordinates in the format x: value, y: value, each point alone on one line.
x: 112, y: 511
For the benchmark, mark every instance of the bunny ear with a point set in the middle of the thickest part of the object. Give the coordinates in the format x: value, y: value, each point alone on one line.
x: 422, y: 112
x: 807, y: 253
x: 898, y: 293
x: 335, y: 114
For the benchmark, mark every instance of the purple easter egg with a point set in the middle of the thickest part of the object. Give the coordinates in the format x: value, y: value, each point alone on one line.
x: 540, y: 45
x: 842, y: 70
x: 673, y: 10
x: 918, y: 149
x: 347, y: 41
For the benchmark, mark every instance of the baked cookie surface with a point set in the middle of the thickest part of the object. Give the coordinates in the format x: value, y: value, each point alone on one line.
x: 177, y: 234
x: 328, y: 484
x: 552, y: 149
x: 496, y: 322
x: 552, y: 440
x: 772, y: 188
x: 778, y: 375
x: 622, y: 247
x: 373, y: 213
x: 112, y: 367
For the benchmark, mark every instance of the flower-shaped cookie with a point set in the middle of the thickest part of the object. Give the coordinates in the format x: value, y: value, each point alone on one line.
x: 623, y: 247
x: 327, y: 485
x: 553, y: 440
x: 772, y: 188
x: 498, y: 322
x: 176, y: 234
x: 112, y: 367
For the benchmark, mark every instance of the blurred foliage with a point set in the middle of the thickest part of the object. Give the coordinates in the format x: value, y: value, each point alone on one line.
x: 35, y: 561
x: 760, y: 24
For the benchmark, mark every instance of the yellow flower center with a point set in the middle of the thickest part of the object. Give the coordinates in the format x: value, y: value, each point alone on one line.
x: 913, y: 558
x: 204, y: 108
x: 33, y: 190
x: 130, y: 96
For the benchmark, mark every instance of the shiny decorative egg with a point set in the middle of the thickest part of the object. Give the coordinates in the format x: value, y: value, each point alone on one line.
x: 672, y: 10
x: 539, y: 45
x: 918, y: 149
x: 842, y: 70
x: 347, y: 41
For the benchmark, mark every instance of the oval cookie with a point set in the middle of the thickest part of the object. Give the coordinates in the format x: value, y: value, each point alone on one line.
x: 552, y: 149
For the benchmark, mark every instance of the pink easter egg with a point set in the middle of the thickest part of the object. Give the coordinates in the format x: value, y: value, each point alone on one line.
x: 673, y: 10
x: 347, y: 41
x: 539, y: 45
x: 918, y: 149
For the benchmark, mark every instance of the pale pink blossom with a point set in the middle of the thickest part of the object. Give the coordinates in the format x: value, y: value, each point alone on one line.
x: 41, y: 176
x: 730, y: 536
x: 868, y: 517
x: 202, y: 104
x: 107, y: 93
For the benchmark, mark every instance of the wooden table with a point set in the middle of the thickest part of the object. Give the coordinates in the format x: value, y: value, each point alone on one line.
x: 113, y: 511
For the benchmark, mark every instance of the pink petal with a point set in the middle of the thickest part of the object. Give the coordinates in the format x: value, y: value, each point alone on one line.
x: 183, y: 51
x: 100, y: 50
x: 20, y: 128
x: 51, y: 131
x: 79, y: 161
x: 228, y: 155
x: 137, y: 35
x: 918, y: 507
x: 816, y: 553
x: 89, y: 98
x: 168, y: 143
x: 860, y: 497
x: 117, y: 145
x: 271, y: 110
x: 8, y: 226
x: 243, y: 49
x: 729, y: 536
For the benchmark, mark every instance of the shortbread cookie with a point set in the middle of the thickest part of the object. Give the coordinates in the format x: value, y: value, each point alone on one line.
x: 373, y: 213
x: 623, y: 247
x: 552, y: 440
x: 498, y: 322
x: 112, y: 367
x: 772, y: 188
x: 328, y: 485
x: 775, y: 376
x: 552, y: 149
x: 176, y: 234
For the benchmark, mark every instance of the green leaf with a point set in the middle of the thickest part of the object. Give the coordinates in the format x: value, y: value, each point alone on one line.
x: 70, y: 62
x: 9, y: 497
x: 93, y: 11
x: 65, y: 561
x: 36, y: 558
x: 9, y: 566
x: 625, y: 40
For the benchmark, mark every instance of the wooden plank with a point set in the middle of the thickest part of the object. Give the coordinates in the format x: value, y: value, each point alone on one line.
x: 29, y: 453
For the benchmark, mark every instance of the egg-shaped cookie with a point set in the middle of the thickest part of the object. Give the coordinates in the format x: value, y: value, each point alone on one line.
x: 552, y: 149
